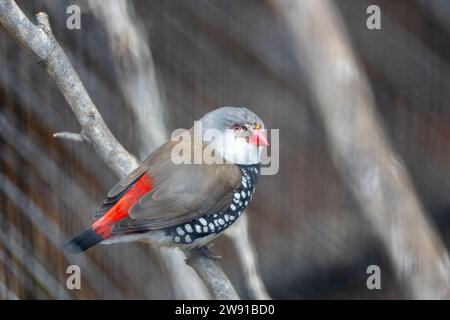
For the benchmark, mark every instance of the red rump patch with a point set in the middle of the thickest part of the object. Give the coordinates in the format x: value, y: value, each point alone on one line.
x: 119, y: 211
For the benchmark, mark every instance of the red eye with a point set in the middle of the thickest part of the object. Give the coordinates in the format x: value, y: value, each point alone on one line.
x: 236, y: 128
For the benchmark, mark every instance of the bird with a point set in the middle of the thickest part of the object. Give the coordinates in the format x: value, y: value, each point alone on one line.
x: 184, y: 204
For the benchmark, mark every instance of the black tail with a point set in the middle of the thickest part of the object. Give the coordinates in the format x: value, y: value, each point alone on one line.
x: 83, y: 241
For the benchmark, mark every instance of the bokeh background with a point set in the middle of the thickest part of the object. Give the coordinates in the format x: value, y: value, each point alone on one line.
x: 311, y: 240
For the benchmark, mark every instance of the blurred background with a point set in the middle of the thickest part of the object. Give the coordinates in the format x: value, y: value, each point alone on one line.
x: 310, y: 238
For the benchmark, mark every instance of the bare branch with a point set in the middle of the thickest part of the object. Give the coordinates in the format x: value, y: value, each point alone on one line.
x: 362, y: 153
x: 40, y: 41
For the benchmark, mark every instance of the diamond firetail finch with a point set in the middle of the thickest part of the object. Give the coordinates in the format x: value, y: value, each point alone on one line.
x: 170, y: 203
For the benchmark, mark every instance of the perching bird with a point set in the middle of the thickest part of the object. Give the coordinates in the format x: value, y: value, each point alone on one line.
x: 170, y: 203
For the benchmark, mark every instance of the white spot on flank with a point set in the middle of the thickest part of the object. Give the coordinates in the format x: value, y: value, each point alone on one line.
x: 180, y: 231
x: 243, y: 194
x: 216, y: 223
x: 249, y: 193
x: 205, y: 229
x: 237, y: 195
x: 177, y: 239
x: 188, y: 227
x: 227, y: 217
x: 233, y: 207
x: 215, y: 215
x: 211, y: 226
x: 244, y: 183
x: 221, y: 221
x: 231, y: 218
x: 246, y: 203
x: 235, y: 200
x: 198, y: 228
x: 202, y: 221
x: 188, y: 239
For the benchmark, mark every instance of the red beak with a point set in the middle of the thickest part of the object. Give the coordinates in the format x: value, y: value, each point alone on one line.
x: 258, y: 138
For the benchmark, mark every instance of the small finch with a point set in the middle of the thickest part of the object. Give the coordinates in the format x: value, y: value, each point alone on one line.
x: 183, y: 204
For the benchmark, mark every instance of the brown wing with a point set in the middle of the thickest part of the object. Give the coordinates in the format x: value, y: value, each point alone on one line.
x: 180, y: 192
x: 160, y: 154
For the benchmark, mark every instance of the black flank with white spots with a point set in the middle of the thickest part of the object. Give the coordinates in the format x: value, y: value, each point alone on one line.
x: 189, y: 232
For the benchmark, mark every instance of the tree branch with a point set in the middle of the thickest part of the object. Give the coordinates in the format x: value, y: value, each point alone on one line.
x: 218, y: 283
x: 40, y: 41
x: 361, y: 151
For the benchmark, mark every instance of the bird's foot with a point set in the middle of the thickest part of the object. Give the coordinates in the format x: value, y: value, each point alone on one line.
x: 202, y: 251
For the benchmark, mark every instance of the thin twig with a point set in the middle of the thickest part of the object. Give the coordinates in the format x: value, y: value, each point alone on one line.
x: 77, y: 137
x: 39, y: 40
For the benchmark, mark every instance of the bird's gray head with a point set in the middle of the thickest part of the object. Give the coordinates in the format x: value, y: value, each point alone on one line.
x: 230, y: 117
x: 241, y: 136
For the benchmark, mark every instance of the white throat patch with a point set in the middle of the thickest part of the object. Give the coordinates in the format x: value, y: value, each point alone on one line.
x: 235, y: 149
